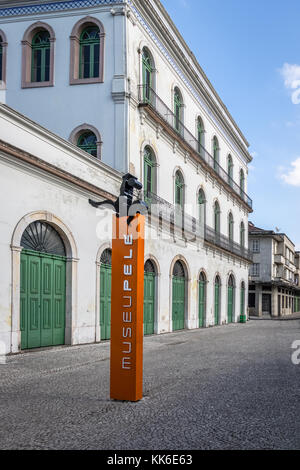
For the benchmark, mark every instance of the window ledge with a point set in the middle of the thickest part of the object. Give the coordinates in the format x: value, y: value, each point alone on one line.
x: 85, y: 81
x: 37, y: 84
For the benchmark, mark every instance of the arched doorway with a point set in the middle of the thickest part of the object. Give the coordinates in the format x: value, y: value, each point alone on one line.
x: 178, y: 296
x: 105, y: 294
x: 230, y: 299
x: 149, y: 297
x: 217, y: 300
x: 42, y: 287
x: 202, y: 299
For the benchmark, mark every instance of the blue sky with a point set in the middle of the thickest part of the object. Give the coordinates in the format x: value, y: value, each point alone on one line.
x: 250, y: 51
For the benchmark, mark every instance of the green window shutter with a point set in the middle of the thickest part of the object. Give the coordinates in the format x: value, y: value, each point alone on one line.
x: 202, y: 207
x: 230, y: 171
x: 40, y: 60
x: 200, y: 130
x: 147, y: 74
x: 242, y: 235
x: 179, y: 186
x: 216, y: 154
x: 178, y: 110
x: 89, y: 55
x: 230, y: 227
x: 217, y: 218
x: 242, y: 183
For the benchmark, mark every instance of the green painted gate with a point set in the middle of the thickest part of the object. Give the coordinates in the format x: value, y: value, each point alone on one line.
x: 230, y: 299
x: 202, y: 300
x: 105, y: 301
x: 149, y: 303
x: 42, y: 299
x: 178, y: 297
x: 230, y: 304
x: 217, y: 301
x: 105, y: 294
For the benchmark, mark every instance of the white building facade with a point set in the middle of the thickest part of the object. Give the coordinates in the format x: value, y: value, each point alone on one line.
x: 117, y: 80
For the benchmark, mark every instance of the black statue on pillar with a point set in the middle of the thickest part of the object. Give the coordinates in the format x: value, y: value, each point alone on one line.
x: 124, y: 205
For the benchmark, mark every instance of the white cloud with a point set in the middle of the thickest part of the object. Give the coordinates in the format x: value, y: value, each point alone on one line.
x: 291, y: 76
x: 254, y: 154
x: 291, y: 176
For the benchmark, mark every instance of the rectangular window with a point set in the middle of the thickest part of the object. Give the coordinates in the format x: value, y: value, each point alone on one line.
x: 255, y: 270
x: 256, y: 246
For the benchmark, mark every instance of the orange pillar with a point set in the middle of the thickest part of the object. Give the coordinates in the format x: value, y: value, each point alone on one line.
x: 127, y: 300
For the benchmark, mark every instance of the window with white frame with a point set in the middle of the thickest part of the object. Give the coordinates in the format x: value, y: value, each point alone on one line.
x: 256, y: 246
x: 255, y: 270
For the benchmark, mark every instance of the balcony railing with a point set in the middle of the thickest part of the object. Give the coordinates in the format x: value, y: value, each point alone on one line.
x: 175, y: 218
x: 148, y: 97
x: 220, y: 240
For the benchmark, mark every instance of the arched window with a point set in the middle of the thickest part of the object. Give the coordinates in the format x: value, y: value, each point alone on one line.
x: 42, y: 237
x: 87, y: 52
x: 242, y: 183
x: 230, y: 170
x: 149, y: 267
x: 148, y: 68
x: 40, y: 62
x: 106, y: 257
x: 3, y: 46
x: 230, y: 227
x: 178, y: 270
x: 87, y: 141
x: 178, y: 110
x: 179, y: 190
x: 216, y: 151
x: 217, y: 216
x: 38, y: 56
x: 202, y: 207
x: 242, y: 235
x: 200, y: 135
x: 149, y: 172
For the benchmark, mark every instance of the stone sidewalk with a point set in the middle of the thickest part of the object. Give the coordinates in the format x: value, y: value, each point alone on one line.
x: 229, y: 387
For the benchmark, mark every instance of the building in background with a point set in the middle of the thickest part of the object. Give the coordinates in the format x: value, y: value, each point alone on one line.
x: 274, y: 275
x: 95, y: 89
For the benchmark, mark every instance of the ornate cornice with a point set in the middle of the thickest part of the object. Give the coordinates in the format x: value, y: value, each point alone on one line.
x: 46, y: 7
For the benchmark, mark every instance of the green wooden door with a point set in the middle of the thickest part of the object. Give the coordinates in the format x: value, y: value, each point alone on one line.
x: 217, y: 303
x: 149, y: 303
x: 105, y: 300
x: 178, y: 303
x: 243, y: 301
x: 42, y: 299
x: 201, y: 303
x: 230, y: 304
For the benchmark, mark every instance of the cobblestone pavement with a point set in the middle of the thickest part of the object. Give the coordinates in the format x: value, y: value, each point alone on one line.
x: 229, y: 387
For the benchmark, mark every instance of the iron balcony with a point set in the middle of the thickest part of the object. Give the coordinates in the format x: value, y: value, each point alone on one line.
x: 148, y: 98
x: 176, y: 220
